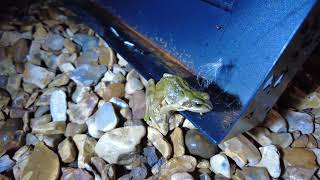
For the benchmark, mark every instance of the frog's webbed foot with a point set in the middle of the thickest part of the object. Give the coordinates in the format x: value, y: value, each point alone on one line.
x: 150, y: 91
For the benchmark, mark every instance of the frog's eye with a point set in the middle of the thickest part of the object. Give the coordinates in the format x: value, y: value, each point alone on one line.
x: 197, y: 104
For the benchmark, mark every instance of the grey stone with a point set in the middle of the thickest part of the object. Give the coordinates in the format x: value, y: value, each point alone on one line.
x: 6, y: 163
x: 87, y: 75
x: 86, y: 42
x: 54, y: 42
x: 299, y: 121
x: 58, y: 105
x: 199, y: 145
x: 37, y: 75
x: 105, y: 118
x: 150, y: 153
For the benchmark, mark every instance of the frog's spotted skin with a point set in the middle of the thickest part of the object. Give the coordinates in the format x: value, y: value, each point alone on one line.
x: 176, y: 95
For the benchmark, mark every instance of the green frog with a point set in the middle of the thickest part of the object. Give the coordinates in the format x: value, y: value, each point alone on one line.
x: 172, y: 93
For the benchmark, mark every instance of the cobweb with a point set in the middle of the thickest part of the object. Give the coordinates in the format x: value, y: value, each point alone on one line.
x: 208, y: 73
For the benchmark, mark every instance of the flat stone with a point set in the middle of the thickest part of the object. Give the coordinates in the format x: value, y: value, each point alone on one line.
x: 11, y: 135
x: 37, y: 75
x: 80, y: 93
x: 31, y: 139
x: 158, y: 141
x: 85, y: 145
x: 112, y: 90
x: 51, y: 140
x: 299, y: 121
x: 54, y: 42
x: 6, y: 163
x: 119, y: 144
x: 301, y: 141
x: 107, y: 57
x: 150, y: 154
x: 67, y: 151
x: 86, y: 42
x: 270, y: 160
x: 58, y: 105
x: 74, y: 128
x: 59, y: 80
x: 241, y: 150
x: 292, y: 157
x: 133, y: 85
x: 68, y: 44
x: 312, y: 142
x: 88, y: 57
x: 7, y: 68
x: 281, y: 139
x: 199, y: 145
x: 31, y: 99
x: 13, y: 84
x: 251, y: 173
x: 105, y: 118
x: 181, y: 176
x: 220, y: 165
x: 21, y: 157
x: 44, y: 98
x: 21, y: 49
x: 137, y: 104
x: 66, y: 67
x: 264, y: 137
x: 40, y: 120
x: 87, y: 75
x: 93, y: 129
x: 55, y: 127
x: 116, y: 69
x: 42, y: 164
x: 275, y: 122
x: 178, y: 142
x: 80, y: 112
x: 178, y: 165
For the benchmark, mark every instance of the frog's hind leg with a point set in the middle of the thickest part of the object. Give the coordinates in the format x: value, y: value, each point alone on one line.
x: 150, y: 93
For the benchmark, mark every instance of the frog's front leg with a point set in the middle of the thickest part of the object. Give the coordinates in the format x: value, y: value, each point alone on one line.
x: 166, y: 109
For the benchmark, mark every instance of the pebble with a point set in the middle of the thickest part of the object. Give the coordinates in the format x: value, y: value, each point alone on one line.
x: 137, y: 104
x: 178, y: 142
x: 203, y: 164
x: 32, y: 99
x: 241, y: 150
x: 180, y: 164
x: 80, y: 112
x: 88, y: 57
x: 270, y: 160
x: 159, y: 142
x: 9, y: 38
x: 68, y: 44
x: 107, y: 57
x: 86, y: 42
x: 41, y: 111
x: 199, y: 145
x: 87, y: 75
x: 66, y: 67
x: 55, y: 127
x: 105, y: 118
x: 316, y: 151
x: 11, y: 135
x: 187, y: 124
x: 311, y: 100
x: 275, y: 122
x: 58, y: 105
x: 4, y: 98
x: 281, y: 139
x: 85, y: 146
x: 112, y: 90
x: 59, y: 80
x: 301, y: 141
x: 251, y: 173
x: 42, y: 164
x: 299, y: 121
x: 74, y: 128
x: 312, y: 142
x: 93, y: 129
x: 120, y: 103
x: 115, y: 146
x: 133, y: 85
x: 7, y: 68
x: 264, y: 137
x: 181, y: 176
x: 54, y: 42
x: 175, y: 121
x: 31, y: 139
x: 21, y: 157
x: 40, y: 120
x: 80, y: 93
x: 21, y: 49
x: 220, y: 165
x: 150, y: 154
x: 75, y: 174
x: 37, y: 75
x: 6, y: 163
x: 67, y: 151
x: 13, y: 84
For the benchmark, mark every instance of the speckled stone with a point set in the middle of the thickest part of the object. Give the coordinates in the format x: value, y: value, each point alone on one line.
x: 199, y: 145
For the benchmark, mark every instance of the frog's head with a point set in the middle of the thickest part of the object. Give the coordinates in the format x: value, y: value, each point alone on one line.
x: 195, y: 101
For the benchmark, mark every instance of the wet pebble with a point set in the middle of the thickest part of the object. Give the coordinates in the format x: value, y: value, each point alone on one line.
x: 220, y: 165
x: 199, y: 145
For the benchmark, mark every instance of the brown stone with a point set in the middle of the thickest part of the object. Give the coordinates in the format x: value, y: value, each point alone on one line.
x: 56, y: 127
x: 301, y: 141
x: 111, y: 90
x: 107, y: 57
x: 20, y: 49
x: 74, y: 128
x: 69, y: 45
x: 178, y: 164
x: 42, y: 164
x: 67, y: 151
x: 299, y: 157
x: 138, y: 105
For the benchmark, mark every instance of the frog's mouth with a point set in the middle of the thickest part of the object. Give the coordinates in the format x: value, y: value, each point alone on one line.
x: 203, y: 107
